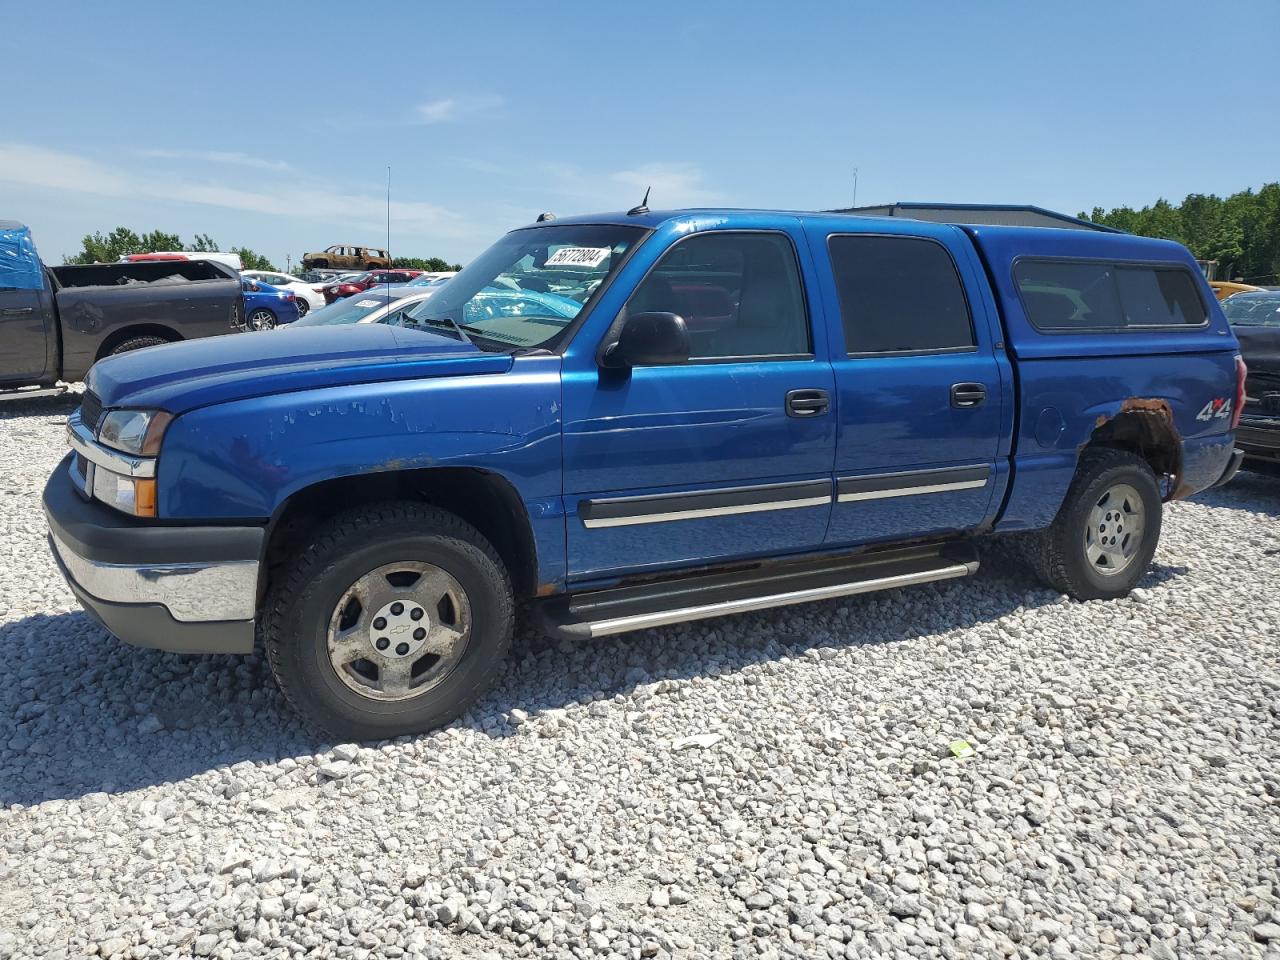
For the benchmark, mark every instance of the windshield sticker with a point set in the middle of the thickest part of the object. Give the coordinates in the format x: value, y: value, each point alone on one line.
x: 578, y: 257
x: 368, y: 303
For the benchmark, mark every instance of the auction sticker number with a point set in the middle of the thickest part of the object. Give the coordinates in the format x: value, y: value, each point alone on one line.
x: 578, y: 257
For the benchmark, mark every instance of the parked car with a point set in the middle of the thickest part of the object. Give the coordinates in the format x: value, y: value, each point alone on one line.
x: 381, y: 305
x: 265, y: 306
x: 741, y: 409
x: 425, y: 279
x: 309, y: 295
x: 355, y: 283
x: 1255, y: 318
x: 319, y: 277
x: 347, y: 258
x: 55, y: 322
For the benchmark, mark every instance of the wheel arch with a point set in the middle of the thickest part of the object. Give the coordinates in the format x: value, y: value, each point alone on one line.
x: 1145, y: 428
x: 118, y: 337
x: 483, y: 498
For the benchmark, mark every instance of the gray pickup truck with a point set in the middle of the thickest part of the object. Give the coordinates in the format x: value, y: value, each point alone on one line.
x: 56, y: 322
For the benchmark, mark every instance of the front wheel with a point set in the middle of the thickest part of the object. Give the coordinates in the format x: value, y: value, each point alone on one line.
x: 1102, y: 541
x: 392, y: 620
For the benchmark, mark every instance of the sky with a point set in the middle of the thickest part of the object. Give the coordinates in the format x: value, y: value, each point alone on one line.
x: 271, y: 125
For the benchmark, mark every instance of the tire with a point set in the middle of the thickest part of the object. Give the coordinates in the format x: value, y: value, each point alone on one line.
x: 320, y: 264
x: 372, y: 266
x: 303, y: 307
x: 1111, y: 488
x: 137, y: 343
x: 261, y: 319
x: 308, y: 612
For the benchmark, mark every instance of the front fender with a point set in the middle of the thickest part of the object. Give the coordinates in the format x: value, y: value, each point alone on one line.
x: 242, y: 460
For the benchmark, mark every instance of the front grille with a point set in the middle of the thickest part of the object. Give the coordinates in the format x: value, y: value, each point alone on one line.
x: 90, y: 411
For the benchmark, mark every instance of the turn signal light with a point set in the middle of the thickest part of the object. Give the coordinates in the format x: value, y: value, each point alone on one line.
x: 144, y: 498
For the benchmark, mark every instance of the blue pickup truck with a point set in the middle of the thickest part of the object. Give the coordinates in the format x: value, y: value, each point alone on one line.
x: 621, y: 421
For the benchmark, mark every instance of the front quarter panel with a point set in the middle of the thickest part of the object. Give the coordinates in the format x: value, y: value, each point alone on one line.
x: 242, y: 460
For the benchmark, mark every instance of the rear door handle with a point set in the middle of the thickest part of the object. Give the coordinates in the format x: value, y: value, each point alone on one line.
x: 968, y: 394
x: 15, y: 311
x: 807, y: 403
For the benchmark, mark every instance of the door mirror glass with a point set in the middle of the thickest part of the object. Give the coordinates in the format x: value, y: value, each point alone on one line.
x: 648, y: 339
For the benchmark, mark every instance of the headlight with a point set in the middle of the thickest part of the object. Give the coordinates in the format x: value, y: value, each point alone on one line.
x: 137, y: 432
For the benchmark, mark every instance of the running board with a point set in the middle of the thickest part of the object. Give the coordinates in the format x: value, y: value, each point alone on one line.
x: 599, y: 613
x: 29, y: 394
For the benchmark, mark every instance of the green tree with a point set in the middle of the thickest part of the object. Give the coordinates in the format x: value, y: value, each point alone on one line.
x: 1240, y: 232
x: 430, y: 264
x: 253, y: 261
x: 120, y: 242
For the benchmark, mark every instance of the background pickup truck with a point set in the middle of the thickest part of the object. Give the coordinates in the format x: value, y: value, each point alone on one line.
x: 637, y: 419
x: 56, y: 322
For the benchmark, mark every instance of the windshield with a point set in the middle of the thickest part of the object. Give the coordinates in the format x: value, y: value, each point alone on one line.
x: 1252, y: 310
x: 351, y: 310
x: 525, y: 290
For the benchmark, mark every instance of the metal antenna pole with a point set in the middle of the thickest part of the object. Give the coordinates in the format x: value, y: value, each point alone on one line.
x: 855, y: 186
x: 388, y: 211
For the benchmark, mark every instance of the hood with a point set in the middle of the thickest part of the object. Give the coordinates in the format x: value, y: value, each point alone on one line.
x: 1260, y: 347
x: 195, y: 373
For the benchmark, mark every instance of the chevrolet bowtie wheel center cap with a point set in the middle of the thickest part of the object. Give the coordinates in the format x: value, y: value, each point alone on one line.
x: 399, y: 629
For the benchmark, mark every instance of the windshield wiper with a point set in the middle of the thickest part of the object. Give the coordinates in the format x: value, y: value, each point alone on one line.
x: 444, y: 322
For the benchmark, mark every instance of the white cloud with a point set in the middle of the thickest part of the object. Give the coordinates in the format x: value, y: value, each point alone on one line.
x: 41, y: 167
x: 232, y: 157
x: 453, y: 109
x: 674, y: 185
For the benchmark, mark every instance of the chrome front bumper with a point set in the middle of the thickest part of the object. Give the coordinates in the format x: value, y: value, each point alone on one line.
x: 186, y: 589
x: 191, y: 592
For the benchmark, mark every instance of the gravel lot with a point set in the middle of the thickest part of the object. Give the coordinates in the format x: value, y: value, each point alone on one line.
x: 769, y: 785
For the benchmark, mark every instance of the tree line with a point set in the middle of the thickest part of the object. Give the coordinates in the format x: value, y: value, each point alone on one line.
x: 106, y: 248
x: 1241, y: 232
x: 98, y: 247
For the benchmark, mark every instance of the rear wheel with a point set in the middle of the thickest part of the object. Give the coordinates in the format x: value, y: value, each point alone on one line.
x: 392, y: 620
x: 303, y: 307
x: 137, y: 343
x: 261, y: 319
x: 1102, y: 541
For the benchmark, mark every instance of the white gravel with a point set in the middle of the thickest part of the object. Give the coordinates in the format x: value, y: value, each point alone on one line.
x: 771, y: 785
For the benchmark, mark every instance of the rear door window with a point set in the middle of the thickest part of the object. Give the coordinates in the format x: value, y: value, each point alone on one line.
x: 1070, y: 295
x: 899, y: 295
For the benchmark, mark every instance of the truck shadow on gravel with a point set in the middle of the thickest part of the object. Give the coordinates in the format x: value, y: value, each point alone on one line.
x: 83, y: 713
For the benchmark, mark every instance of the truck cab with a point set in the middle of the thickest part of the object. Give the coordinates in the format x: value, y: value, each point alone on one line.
x: 628, y: 420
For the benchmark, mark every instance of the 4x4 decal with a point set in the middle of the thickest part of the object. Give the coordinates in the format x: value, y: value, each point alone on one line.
x: 1218, y: 408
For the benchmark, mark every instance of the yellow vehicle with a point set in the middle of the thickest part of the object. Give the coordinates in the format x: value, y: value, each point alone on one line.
x: 1225, y: 288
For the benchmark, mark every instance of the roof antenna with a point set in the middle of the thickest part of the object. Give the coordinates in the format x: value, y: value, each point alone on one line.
x: 545, y: 217
x: 644, y: 205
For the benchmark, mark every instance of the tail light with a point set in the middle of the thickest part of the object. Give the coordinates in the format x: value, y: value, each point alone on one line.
x: 1242, y: 372
x: 290, y: 297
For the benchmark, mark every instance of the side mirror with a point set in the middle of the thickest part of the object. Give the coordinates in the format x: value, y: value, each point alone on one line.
x: 647, y: 339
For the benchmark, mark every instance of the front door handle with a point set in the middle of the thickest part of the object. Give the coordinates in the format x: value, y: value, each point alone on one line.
x: 807, y: 403
x: 968, y: 394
